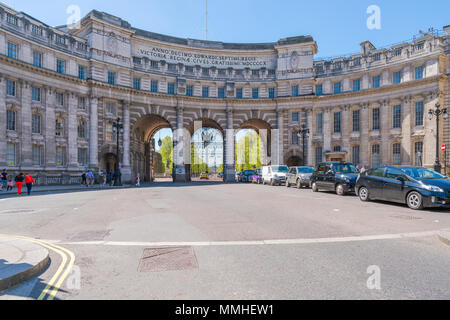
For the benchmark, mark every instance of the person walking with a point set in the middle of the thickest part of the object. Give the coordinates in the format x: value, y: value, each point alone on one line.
x: 83, y: 179
x: 90, y: 178
x: 10, y: 184
x: 138, y: 180
x: 19, y: 183
x: 105, y: 177
x: 29, y: 183
x: 4, y: 180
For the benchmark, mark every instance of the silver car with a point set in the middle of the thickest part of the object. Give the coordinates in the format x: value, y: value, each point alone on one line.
x: 299, y: 176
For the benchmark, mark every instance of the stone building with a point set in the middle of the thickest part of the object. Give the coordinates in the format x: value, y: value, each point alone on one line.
x: 62, y: 89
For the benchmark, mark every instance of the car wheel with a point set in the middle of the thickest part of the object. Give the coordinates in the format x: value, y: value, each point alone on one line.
x: 272, y: 183
x: 288, y: 185
x: 314, y: 187
x: 299, y: 184
x: 340, y: 190
x: 415, y: 200
x: 364, y: 194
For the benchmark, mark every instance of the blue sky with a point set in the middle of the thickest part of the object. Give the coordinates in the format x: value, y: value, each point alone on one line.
x: 337, y: 26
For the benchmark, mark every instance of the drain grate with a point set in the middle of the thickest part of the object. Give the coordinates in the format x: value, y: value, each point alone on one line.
x: 404, y: 217
x: 18, y: 211
x: 168, y: 259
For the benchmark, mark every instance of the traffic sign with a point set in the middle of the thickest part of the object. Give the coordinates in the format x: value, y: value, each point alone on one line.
x: 444, y: 147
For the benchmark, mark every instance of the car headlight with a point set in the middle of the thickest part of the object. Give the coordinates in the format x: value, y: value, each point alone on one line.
x: 433, y: 188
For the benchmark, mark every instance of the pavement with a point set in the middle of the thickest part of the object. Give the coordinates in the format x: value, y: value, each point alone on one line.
x: 20, y: 261
x: 444, y: 236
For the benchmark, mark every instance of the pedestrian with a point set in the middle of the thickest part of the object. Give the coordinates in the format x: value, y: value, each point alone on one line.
x: 105, y: 177
x: 90, y: 177
x: 83, y: 179
x: 111, y: 178
x: 4, y: 179
x: 138, y: 180
x: 29, y: 183
x: 10, y: 184
x: 19, y: 182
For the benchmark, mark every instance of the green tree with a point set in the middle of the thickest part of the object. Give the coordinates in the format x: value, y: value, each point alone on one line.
x: 166, y: 152
x: 248, y: 152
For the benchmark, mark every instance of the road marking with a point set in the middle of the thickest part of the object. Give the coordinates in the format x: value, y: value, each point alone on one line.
x: 257, y: 242
x: 61, y: 269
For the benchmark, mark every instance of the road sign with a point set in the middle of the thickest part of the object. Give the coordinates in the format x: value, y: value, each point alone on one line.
x: 444, y: 147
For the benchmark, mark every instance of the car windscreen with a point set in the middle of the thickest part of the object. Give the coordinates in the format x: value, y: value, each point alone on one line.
x: 249, y: 172
x: 422, y: 173
x: 281, y: 169
x: 305, y: 170
x: 345, y: 168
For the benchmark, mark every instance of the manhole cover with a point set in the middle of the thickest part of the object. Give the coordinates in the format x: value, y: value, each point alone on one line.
x: 18, y: 211
x: 407, y: 217
x: 168, y: 259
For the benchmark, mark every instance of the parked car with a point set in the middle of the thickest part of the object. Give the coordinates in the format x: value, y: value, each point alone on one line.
x: 335, y: 176
x: 238, y: 176
x: 418, y: 187
x: 247, y: 175
x: 299, y: 176
x: 274, y: 175
x: 257, y: 177
x: 204, y: 175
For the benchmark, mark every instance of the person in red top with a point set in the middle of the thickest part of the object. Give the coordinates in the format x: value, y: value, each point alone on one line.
x: 19, y: 182
x: 29, y: 182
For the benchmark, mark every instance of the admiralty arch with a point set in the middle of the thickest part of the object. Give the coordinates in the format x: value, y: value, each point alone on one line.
x: 62, y: 89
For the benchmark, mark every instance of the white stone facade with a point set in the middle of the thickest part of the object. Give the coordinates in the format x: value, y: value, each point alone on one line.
x: 61, y: 90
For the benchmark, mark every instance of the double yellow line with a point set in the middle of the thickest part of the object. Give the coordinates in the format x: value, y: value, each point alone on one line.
x: 67, y: 263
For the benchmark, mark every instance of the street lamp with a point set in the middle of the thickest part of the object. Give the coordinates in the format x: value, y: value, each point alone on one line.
x: 437, y: 113
x: 117, y: 129
x: 303, y: 133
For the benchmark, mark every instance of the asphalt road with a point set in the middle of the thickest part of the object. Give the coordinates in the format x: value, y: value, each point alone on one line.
x: 237, y: 241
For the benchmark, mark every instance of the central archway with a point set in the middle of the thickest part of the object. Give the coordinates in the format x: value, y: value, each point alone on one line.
x: 253, y: 145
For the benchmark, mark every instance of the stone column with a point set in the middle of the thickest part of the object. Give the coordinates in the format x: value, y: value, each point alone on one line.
x: 230, y: 167
x: 385, y: 129
x: 72, y: 132
x: 327, y: 129
x: 365, y: 129
x: 180, y: 174
x: 3, y: 122
x: 26, y: 159
x: 93, y: 133
x: 407, y: 123
x: 126, y: 167
x: 50, y: 129
x: 346, y: 130
x: 277, y: 140
x: 309, y: 120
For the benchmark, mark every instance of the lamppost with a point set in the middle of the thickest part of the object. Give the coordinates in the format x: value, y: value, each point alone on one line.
x: 437, y: 113
x: 117, y: 129
x: 303, y: 133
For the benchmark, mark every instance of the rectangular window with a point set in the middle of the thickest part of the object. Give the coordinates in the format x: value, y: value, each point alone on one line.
x: 419, y: 73
x: 221, y: 92
x: 337, y: 88
x: 356, y: 85
x: 37, y: 59
x: 137, y: 83
x: 376, y: 119
x: 154, y: 86
x: 111, y: 108
x: 255, y: 73
x: 377, y: 57
x: 60, y: 156
x: 418, y: 154
x: 154, y: 64
x: 295, y: 91
x: 255, y: 93
x: 319, y: 155
x: 337, y: 122
x: 189, y: 69
x: 82, y: 72
x: 60, y: 99
x: 82, y: 103
x: 272, y: 72
x: 397, y: 77
x: 172, y: 67
x: 319, y: 90
x: 12, y: 19
x: 272, y: 93
x: 111, y: 77
x: 10, y: 88
x: 37, y: 155
x: 12, y: 50
x: 82, y: 129
x: 356, y: 120
x: 36, y: 124
x: 109, y: 132
x: 205, y: 72
x: 11, y: 154
x: 59, y: 127
x: 60, y: 39
x: 239, y: 94
x: 60, y: 66
x: 171, y: 88
x: 10, y: 120
x: 376, y: 156
x: 376, y: 82
x: 36, y: 94
x: 82, y: 157
x: 356, y: 152
x: 295, y: 138
x: 397, y: 117
x: 396, y: 154
x: 419, y: 113
x: 222, y: 72
x: 205, y: 92
x: 319, y: 123
x: 295, y: 117
x: 190, y: 90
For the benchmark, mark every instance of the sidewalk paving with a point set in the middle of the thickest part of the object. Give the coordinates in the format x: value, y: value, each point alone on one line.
x: 20, y: 261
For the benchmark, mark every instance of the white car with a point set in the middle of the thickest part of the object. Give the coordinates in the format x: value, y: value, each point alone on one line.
x: 274, y: 175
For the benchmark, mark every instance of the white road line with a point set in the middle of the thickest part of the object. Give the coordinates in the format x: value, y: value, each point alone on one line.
x: 255, y: 243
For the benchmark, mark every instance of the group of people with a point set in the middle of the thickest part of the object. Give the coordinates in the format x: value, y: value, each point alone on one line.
x: 19, y: 181
x: 87, y: 179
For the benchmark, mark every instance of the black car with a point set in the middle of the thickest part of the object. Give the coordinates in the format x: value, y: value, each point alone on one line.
x: 417, y: 187
x: 335, y: 176
x: 247, y: 176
